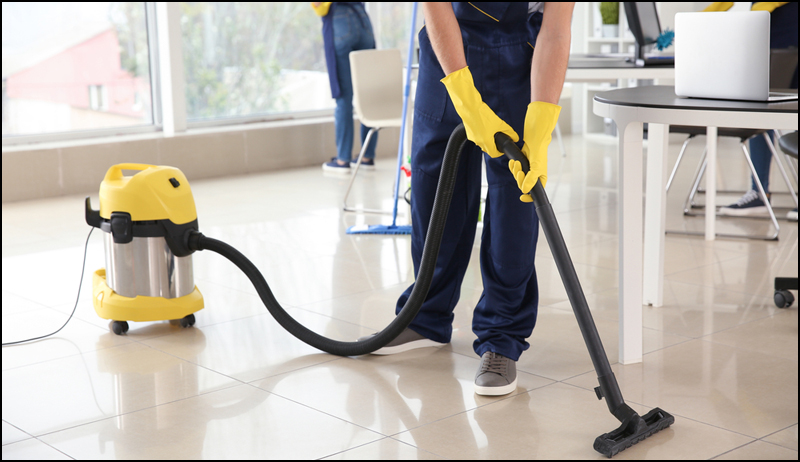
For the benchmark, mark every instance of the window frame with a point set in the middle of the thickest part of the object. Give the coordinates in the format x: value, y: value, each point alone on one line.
x: 154, y: 20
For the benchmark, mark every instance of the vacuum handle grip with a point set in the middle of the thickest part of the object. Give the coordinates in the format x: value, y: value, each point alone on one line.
x: 115, y: 171
x: 507, y: 146
x: 92, y: 216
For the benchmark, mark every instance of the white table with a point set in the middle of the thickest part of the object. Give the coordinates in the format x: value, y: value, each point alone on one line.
x: 641, y: 254
x: 584, y: 68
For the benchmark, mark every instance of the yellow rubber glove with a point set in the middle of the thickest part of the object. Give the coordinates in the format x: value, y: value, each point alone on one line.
x: 718, y: 6
x: 540, y: 121
x: 322, y: 8
x: 767, y: 6
x: 479, y: 119
x: 757, y: 6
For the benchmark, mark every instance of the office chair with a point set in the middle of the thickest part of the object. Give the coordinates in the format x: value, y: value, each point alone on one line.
x: 377, y: 77
x: 782, y: 297
x: 782, y: 64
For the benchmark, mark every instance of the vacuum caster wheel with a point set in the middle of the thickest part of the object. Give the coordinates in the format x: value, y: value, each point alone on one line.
x: 187, y: 321
x: 119, y: 327
x: 783, y: 298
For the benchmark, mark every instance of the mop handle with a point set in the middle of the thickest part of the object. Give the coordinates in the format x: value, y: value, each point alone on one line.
x: 406, y: 91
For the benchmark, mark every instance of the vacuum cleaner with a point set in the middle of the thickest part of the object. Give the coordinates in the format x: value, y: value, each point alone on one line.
x: 148, y: 274
x: 151, y: 230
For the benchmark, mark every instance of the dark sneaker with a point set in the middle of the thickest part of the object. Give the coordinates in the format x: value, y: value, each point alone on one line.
x: 748, y: 205
x: 334, y: 166
x: 366, y: 164
x: 407, y: 340
x: 792, y: 215
x: 497, y: 375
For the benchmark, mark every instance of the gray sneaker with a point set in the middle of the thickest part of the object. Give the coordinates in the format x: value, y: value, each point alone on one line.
x: 497, y: 375
x: 407, y: 340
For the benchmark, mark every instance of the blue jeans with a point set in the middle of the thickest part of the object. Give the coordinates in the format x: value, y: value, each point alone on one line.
x: 761, y: 157
x: 352, y: 31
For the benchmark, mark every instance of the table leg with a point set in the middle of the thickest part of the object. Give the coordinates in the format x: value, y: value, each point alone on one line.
x: 711, y: 182
x: 630, y: 242
x: 655, y: 214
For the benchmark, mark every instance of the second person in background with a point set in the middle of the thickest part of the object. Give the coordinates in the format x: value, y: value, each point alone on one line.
x: 345, y: 28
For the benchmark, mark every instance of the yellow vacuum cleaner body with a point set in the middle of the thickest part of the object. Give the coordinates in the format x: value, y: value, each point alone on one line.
x: 145, y: 219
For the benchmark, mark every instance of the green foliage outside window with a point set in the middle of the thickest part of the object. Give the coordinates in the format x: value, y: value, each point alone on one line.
x: 235, y: 54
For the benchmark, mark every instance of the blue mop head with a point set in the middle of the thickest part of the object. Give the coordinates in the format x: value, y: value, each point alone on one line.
x: 379, y: 229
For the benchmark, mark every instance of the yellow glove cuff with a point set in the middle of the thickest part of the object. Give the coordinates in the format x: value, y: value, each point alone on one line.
x: 767, y: 6
x: 322, y: 9
x: 540, y: 121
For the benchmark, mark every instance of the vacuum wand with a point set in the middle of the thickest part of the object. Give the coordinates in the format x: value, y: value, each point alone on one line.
x: 634, y: 428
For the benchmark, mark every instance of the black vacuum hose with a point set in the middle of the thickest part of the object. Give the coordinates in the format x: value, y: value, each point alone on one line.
x: 441, y: 204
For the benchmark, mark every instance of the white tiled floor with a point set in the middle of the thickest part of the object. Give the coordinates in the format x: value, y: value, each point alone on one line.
x: 719, y: 355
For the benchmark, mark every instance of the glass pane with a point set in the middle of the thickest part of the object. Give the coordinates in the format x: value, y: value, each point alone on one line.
x: 74, y: 66
x: 245, y: 59
x: 391, y: 22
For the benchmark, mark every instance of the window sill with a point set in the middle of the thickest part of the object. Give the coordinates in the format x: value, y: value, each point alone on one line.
x: 201, y: 129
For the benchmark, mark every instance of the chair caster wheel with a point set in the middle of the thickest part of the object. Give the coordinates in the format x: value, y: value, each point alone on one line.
x: 783, y: 298
x: 187, y: 321
x: 119, y: 327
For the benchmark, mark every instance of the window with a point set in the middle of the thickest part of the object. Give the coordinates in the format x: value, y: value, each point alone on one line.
x: 245, y: 59
x: 391, y: 22
x: 74, y: 66
x: 69, y: 68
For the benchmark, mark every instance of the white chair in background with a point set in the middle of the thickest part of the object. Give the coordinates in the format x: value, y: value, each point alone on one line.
x: 377, y: 77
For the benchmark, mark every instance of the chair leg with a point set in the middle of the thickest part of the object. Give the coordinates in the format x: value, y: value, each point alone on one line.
x: 560, y: 141
x: 761, y: 190
x: 698, y: 176
x: 790, y: 161
x: 780, y: 167
x: 347, y: 208
x: 678, y: 162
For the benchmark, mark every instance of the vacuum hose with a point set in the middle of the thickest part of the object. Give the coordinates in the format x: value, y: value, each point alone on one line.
x: 441, y: 204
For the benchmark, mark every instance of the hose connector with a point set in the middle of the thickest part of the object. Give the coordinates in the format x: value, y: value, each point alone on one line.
x: 193, y: 238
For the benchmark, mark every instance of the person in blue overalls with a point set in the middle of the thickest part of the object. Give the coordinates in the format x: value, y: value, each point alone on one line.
x: 478, y: 66
x: 345, y: 28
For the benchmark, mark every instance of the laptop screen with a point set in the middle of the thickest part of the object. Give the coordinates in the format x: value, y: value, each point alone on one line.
x: 722, y: 55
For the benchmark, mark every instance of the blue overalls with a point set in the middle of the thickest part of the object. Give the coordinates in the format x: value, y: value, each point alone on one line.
x: 498, y: 44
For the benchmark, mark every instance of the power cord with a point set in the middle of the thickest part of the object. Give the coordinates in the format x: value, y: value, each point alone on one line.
x: 83, y: 268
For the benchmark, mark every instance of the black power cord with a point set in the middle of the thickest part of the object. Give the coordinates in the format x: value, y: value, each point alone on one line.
x: 80, y: 284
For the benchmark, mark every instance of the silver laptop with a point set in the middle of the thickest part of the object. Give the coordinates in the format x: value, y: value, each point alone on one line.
x: 724, y: 55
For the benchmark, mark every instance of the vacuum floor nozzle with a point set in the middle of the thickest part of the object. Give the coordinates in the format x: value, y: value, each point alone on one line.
x: 634, y: 429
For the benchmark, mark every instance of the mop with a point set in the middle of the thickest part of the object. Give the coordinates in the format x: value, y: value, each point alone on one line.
x: 393, y: 228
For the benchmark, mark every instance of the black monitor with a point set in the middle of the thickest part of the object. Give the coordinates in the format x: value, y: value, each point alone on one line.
x: 643, y: 20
